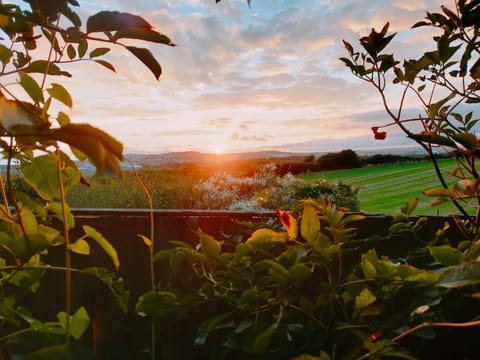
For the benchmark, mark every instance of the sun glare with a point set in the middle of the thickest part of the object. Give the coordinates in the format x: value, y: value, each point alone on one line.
x: 218, y: 150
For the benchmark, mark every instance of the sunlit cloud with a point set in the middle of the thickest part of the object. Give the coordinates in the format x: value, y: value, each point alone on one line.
x: 245, y: 78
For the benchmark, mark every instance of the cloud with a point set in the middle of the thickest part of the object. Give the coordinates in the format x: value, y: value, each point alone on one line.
x: 268, y: 75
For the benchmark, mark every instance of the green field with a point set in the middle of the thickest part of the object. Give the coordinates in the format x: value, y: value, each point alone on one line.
x: 384, y: 189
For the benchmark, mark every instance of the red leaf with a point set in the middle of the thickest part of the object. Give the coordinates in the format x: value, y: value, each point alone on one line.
x: 379, y: 135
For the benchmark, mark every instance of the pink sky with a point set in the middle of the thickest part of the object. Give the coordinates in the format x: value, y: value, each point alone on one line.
x: 260, y: 78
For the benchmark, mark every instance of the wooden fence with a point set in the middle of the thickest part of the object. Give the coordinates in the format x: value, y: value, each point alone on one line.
x: 117, y: 335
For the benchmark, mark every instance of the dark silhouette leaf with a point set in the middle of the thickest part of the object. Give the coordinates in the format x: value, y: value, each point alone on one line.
x: 114, y: 21
x: 145, y: 56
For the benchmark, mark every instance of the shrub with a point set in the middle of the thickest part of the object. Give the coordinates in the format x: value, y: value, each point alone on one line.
x: 267, y: 191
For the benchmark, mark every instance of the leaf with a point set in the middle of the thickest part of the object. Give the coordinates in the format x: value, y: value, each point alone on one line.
x: 290, y: 224
x: 57, y: 208
x: 146, y: 240
x: 209, y: 325
x: 79, y: 322
x: 364, y: 299
x: 145, y: 56
x: 55, y: 352
x: 45, y: 67
x: 5, y: 54
x: 266, y: 236
x: 80, y: 247
x: 106, y: 64
x: 114, y: 20
x: 71, y: 52
x: 143, y: 34
x: 31, y: 87
x: 99, y: 52
x: 57, y: 91
x: 41, y: 174
x: 310, y: 225
x: 461, y: 275
x: 63, y: 119
x: 104, y: 244
x: 210, y: 246
x: 262, y: 342
x: 440, y: 191
x: 101, y: 149
x: 33, y: 204
x: 446, y: 255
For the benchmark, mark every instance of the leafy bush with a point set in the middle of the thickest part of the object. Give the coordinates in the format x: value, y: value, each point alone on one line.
x: 315, y: 290
x: 266, y: 190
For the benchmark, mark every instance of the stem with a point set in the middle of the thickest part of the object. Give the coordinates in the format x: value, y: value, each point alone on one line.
x: 151, y: 249
x: 68, y: 260
x: 436, y: 324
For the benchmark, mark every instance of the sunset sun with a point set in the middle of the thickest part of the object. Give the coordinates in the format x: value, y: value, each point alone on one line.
x: 218, y: 150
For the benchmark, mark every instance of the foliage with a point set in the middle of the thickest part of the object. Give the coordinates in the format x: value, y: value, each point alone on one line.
x: 181, y: 188
x: 444, y: 83
x: 266, y: 190
x: 346, y: 159
x: 313, y: 290
x: 31, y: 137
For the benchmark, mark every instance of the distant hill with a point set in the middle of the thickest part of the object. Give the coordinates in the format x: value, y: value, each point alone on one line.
x: 157, y: 159
x: 198, y: 157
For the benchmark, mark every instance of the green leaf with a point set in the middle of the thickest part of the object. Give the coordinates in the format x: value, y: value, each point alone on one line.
x: 364, y: 299
x: 63, y: 119
x: 266, y: 236
x: 262, y: 342
x: 33, y: 204
x: 55, y: 352
x: 146, y: 240
x: 300, y: 273
x: 104, y: 244
x: 79, y: 322
x: 210, y: 246
x: 310, y: 225
x: 57, y: 208
x: 114, y: 20
x: 80, y: 247
x: 41, y: 174
x: 461, y: 275
x: 209, y: 325
x: 446, y: 255
x: 99, y: 52
x: 31, y: 87
x: 58, y: 92
x: 145, y: 56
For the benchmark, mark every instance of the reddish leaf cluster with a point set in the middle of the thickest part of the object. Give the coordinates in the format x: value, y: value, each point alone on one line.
x: 379, y: 135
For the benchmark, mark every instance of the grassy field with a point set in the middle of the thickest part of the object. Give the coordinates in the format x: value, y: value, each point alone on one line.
x: 384, y: 189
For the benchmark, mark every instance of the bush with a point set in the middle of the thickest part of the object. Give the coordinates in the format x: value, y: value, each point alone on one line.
x: 267, y: 191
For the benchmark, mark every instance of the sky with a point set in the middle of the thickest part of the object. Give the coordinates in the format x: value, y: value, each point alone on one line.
x: 265, y: 77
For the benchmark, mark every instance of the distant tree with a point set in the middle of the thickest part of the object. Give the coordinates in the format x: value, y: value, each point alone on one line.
x: 346, y: 159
